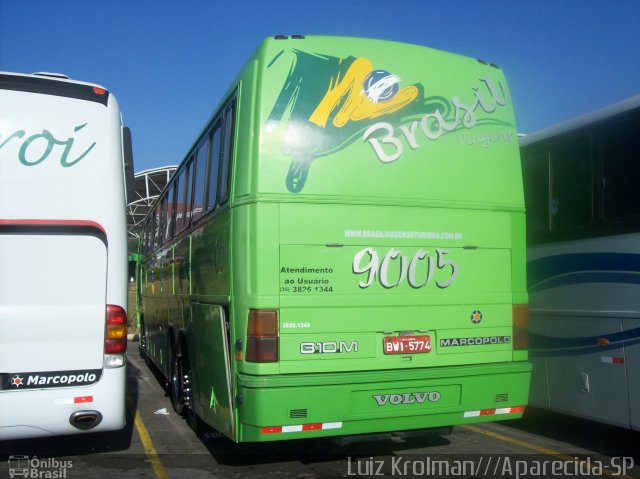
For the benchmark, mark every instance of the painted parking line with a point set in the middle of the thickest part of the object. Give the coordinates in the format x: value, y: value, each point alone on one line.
x: 539, y: 449
x: 149, y: 449
x: 147, y: 443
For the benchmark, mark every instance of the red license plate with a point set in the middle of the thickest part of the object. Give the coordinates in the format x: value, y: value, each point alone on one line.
x: 407, y: 344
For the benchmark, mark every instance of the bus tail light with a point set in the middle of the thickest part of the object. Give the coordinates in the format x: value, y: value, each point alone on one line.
x: 115, y: 337
x: 520, y: 326
x: 262, y: 336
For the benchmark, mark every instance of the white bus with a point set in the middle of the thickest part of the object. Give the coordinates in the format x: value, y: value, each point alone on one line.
x: 63, y: 257
x: 582, y: 193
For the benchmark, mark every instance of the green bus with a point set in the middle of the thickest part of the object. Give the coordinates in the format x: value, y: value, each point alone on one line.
x: 342, y: 249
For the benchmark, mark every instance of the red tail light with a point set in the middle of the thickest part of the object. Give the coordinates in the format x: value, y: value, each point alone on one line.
x: 520, y: 326
x: 262, y: 336
x: 115, y: 337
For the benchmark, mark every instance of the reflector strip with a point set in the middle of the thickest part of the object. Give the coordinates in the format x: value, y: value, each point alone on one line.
x: 612, y: 360
x: 301, y: 427
x: 492, y: 412
x: 75, y: 400
x: 332, y: 425
x: 271, y: 429
x: 292, y: 428
x: 311, y: 427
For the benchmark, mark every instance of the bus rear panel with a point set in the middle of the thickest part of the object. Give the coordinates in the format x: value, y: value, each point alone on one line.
x: 62, y: 258
x: 366, y: 273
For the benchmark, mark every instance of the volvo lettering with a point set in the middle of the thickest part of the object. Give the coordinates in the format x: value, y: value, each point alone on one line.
x: 407, y: 398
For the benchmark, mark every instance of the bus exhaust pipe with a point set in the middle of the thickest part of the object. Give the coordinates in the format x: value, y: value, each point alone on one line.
x: 85, y: 420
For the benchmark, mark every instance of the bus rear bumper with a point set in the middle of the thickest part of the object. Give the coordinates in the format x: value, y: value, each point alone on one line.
x: 335, y: 404
x: 49, y: 412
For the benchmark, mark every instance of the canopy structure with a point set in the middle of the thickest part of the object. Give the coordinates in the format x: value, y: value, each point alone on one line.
x: 148, y: 185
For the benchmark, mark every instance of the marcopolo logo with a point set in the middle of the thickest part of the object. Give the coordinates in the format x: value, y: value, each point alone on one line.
x: 48, y: 379
x: 17, y: 381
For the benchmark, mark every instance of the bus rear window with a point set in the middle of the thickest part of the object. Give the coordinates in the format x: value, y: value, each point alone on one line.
x: 49, y: 86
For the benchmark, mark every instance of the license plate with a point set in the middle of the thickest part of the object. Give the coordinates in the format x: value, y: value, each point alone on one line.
x: 407, y: 344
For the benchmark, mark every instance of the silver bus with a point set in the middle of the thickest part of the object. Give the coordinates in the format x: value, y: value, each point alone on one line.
x: 582, y: 194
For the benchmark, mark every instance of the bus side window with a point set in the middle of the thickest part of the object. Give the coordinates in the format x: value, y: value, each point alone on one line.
x: 168, y: 200
x: 149, y: 231
x: 157, y: 233
x: 149, y: 228
x: 214, y: 166
x: 132, y: 270
x: 621, y: 171
x: 200, y: 180
x: 535, y: 170
x: 225, y: 167
x: 188, y: 191
x: 571, y: 206
x: 179, y: 202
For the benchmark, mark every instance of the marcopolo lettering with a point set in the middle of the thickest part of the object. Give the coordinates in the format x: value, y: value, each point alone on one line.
x: 407, y: 398
x: 85, y: 378
x: 49, y: 379
x: 481, y: 341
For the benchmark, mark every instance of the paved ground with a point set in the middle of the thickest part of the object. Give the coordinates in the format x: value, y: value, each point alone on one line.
x: 156, y: 445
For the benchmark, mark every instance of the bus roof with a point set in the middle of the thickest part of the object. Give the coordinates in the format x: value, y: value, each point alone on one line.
x: 581, y: 121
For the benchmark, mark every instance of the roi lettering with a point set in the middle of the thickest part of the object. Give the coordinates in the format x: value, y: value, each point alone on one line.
x: 43, y: 144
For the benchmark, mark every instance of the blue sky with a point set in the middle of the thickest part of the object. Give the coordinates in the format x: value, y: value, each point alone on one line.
x: 169, y: 62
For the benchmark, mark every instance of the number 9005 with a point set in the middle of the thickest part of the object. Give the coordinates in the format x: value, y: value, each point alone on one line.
x: 394, y: 268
